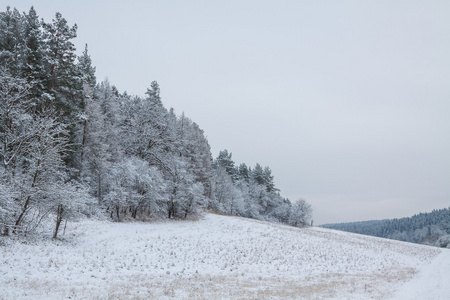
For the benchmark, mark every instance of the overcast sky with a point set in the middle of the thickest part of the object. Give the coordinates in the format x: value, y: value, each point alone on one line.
x: 348, y: 102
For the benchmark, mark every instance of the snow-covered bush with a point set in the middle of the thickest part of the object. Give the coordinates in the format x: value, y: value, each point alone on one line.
x: 444, y: 241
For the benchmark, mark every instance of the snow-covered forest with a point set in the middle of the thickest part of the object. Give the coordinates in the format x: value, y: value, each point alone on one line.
x: 431, y: 228
x: 71, y: 146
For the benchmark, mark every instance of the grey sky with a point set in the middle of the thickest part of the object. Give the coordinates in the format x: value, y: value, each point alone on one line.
x: 348, y: 102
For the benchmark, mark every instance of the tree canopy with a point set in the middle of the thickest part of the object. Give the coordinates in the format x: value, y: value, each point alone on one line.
x: 71, y: 146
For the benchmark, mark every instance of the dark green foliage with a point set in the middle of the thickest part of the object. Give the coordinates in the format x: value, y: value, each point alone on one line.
x: 225, y: 161
x: 425, y: 228
x: 63, y: 79
x: 243, y: 172
x: 86, y: 69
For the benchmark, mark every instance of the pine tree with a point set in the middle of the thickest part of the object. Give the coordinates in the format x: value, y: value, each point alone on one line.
x: 63, y: 77
x: 257, y: 175
x: 34, y: 52
x: 268, y: 180
x: 86, y: 68
x: 11, y: 41
x: 89, y: 81
x: 244, y: 172
x: 225, y: 161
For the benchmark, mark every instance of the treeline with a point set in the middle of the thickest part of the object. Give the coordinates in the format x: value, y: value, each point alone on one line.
x: 247, y: 192
x: 431, y: 228
x: 71, y: 146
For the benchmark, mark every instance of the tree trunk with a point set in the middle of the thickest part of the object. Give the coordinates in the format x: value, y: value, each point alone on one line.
x: 59, y: 215
x: 172, y: 205
x: 25, y: 207
x: 118, y: 213
x: 134, y: 211
x: 83, y: 143
x: 99, y: 189
x: 171, y: 209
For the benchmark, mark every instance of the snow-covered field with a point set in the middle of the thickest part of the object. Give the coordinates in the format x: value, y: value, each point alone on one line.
x: 219, y: 257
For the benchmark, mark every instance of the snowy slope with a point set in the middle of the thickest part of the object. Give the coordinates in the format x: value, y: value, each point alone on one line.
x: 217, y: 257
x: 433, y: 282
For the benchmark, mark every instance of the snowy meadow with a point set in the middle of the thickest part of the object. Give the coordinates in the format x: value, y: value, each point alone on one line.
x: 215, y: 257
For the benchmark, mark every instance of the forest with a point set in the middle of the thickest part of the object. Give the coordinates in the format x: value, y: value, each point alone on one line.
x: 431, y: 228
x: 73, y: 147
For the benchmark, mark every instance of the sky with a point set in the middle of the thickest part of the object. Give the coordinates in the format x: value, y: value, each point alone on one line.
x: 348, y: 102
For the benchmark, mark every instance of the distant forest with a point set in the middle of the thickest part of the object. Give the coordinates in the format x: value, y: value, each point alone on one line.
x: 425, y: 228
x: 71, y: 147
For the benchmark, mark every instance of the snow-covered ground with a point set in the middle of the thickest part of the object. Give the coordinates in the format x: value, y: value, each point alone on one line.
x: 219, y: 257
x: 433, y: 281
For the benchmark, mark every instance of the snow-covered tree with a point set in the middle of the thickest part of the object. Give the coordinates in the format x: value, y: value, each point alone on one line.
x: 301, y: 213
x: 11, y: 41
x: 14, y: 119
x: 99, y: 140
x: 42, y: 167
x: 64, y: 140
x: 191, y: 145
x: 135, y: 188
x: 225, y: 161
x: 185, y: 195
x: 243, y: 172
x: 86, y: 69
x: 63, y: 79
x: 228, y: 198
x: 423, y: 228
x: 34, y: 55
x: 66, y: 201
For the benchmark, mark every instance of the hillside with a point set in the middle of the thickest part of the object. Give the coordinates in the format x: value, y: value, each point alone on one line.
x: 215, y: 257
x: 432, y: 228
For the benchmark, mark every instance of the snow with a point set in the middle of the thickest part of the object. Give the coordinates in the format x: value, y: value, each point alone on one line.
x: 218, y: 257
x: 433, y: 282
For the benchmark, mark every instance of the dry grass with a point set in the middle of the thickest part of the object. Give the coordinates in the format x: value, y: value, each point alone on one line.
x: 223, y: 287
x: 213, y: 258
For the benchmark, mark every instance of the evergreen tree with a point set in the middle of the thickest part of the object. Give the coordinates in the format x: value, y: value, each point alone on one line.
x: 86, y: 68
x: 225, y: 161
x: 11, y: 41
x: 34, y: 68
x: 89, y: 81
x: 244, y: 172
x: 268, y: 180
x: 65, y: 139
x: 63, y: 81
x: 257, y: 175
